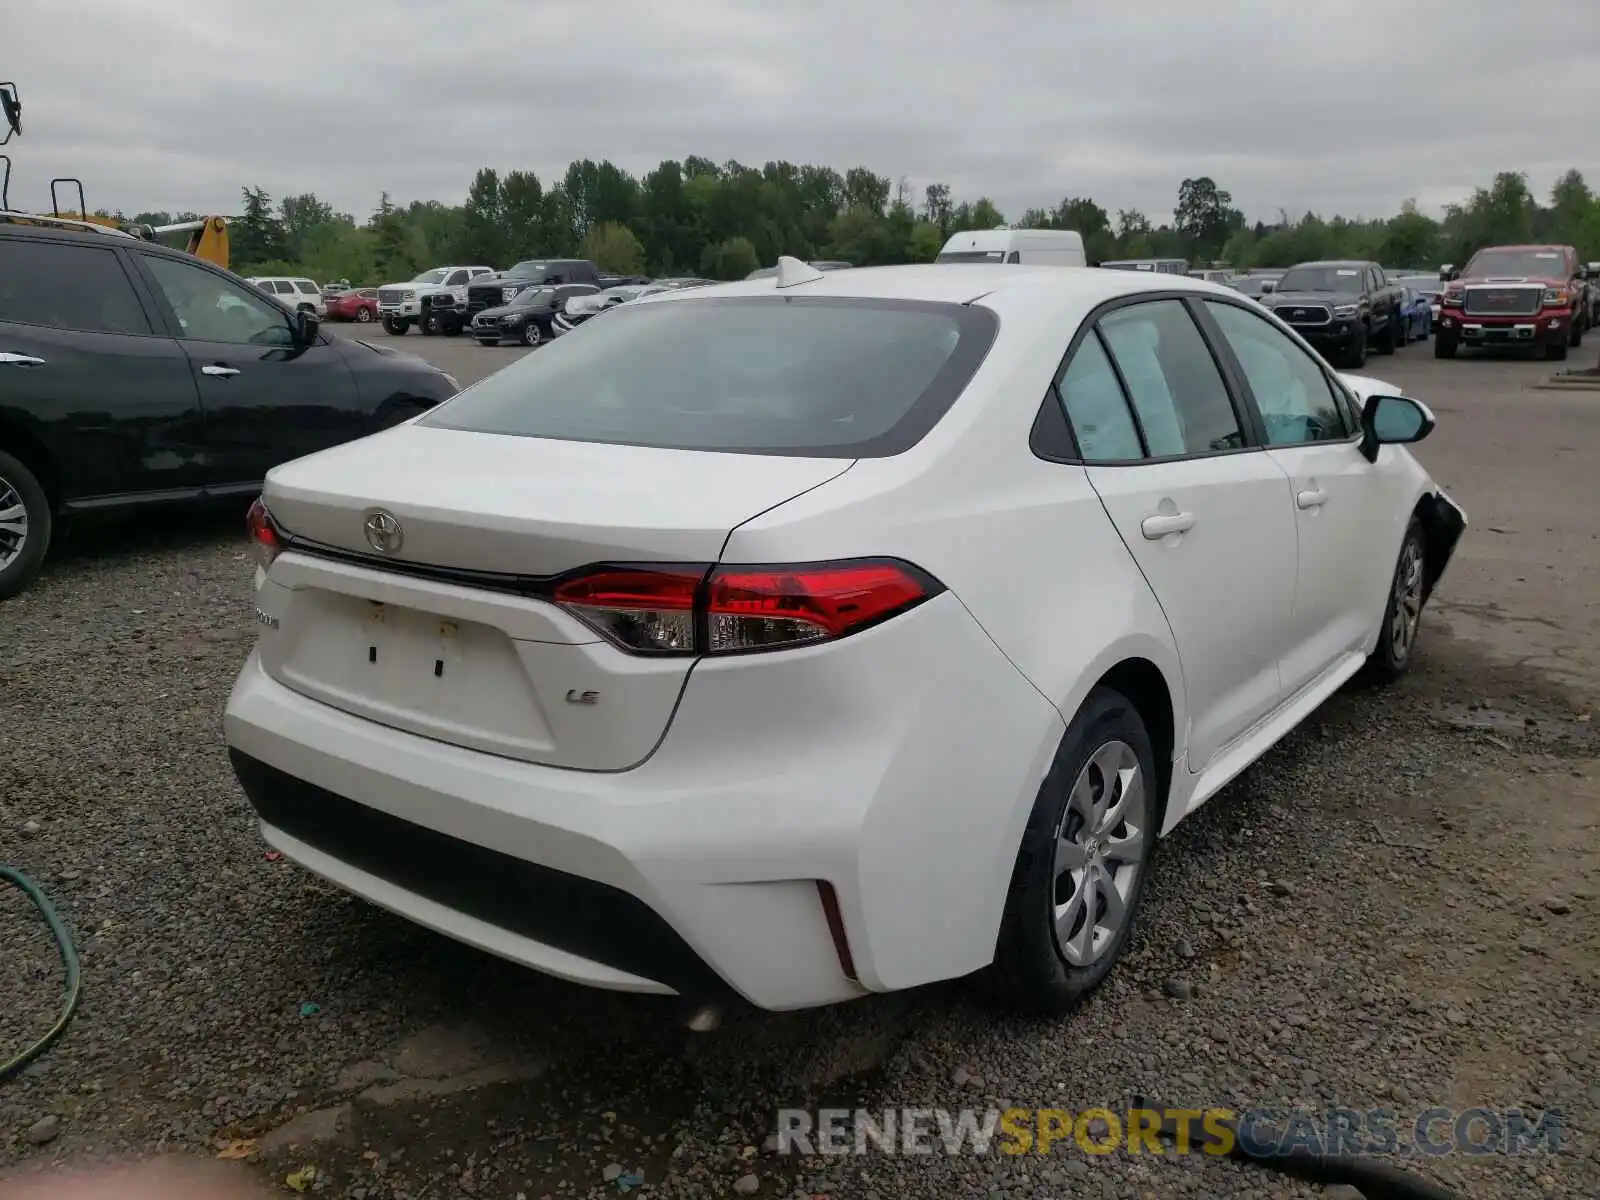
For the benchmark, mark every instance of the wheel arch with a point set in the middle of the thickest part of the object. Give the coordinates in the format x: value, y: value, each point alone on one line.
x: 1442, y: 527
x: 1144, y: 686
x: 17, y: 440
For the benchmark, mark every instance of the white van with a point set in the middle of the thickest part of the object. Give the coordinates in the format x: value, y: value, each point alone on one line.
x: 1051, y: 247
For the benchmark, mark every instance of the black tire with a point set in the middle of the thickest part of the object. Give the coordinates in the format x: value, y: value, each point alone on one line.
x: 1357, y: 355
x: 396, y: 326
x: 1402, y: 330
x: 1397, y: 644
x: 1556, y: 351
x: 1575, y: 338
x: 428, y: 326
x: 1385, y: 342
x: 364, y: 315
x: 531, y: 334
x: 488, y: 341
x: 19, y: 485
x: 1444, y: 346
x: 450, y: 328
x: 1031, y: 973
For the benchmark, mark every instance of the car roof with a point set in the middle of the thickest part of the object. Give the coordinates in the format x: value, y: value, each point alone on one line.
x: 1525, y: 246
x: 1334, y: 262
x: 959, y: 283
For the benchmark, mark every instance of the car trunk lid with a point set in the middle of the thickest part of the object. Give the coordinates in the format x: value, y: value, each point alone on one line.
x: 447, y: 634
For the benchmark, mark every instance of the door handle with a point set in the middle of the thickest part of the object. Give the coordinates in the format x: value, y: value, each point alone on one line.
x: 1159, y: 526
x: 7, y: 359
x: 220, y: 372
x: 1311, y: 498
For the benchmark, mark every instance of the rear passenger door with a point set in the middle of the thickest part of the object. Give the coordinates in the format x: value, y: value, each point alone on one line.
x: 1203, y: 511
x: 84, y: 369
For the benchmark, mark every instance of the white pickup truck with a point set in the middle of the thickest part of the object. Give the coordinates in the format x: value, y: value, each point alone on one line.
x: 400, y: 304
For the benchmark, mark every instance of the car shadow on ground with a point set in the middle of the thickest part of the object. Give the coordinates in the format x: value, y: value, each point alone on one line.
x: 154, y: 529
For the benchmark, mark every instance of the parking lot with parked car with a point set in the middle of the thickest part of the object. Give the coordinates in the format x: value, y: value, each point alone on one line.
x: 1395, y: 907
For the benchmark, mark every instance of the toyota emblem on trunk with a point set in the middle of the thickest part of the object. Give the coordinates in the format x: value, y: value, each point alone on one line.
x: 383, y: 532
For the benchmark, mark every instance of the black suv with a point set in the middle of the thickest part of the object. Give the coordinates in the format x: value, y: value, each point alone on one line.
x: 131, y: 373
x: 1341, y: 308
x: 529, y: 316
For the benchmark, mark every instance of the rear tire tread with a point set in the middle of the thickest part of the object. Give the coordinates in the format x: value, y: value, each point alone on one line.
x: 1028, y: 974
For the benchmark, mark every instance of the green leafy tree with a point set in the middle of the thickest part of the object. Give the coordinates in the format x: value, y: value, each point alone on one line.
x: 731, y: 259
x: 257, y: 236
x: 1203, y: 217
x: 696, y: 214
x: 616, y: 248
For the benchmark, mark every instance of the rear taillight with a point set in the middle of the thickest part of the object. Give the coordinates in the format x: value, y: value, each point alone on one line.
x: 264, y: 540
x: 652, y: 611
x: 736, y: 609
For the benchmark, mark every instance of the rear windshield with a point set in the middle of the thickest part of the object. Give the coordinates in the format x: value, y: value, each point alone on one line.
x: 809, y: 376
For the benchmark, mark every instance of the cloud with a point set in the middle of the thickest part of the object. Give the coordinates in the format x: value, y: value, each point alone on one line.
x: 176, y: 104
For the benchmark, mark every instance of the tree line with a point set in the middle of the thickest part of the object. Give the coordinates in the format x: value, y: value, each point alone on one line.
x: 721, y: 221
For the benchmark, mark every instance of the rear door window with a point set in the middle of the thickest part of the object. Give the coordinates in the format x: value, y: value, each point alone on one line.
x: 1176, y: 387
x: 67, y: 287
x: 828, y: 377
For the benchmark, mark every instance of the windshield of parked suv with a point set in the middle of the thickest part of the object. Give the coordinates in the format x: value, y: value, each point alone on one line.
x: 1340, y: 281
x: 807, y: 376
x: 528, y: 297
x: 524, y: 270
x: 434, y: 276
x: 1543, y: 264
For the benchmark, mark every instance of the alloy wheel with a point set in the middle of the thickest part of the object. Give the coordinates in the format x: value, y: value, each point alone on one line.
x: 1100, y: 850
x: 13, y: 523
x: 1407, y: 602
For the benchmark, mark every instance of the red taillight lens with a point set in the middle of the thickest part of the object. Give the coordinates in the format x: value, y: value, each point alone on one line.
x: 756, y: 608
x: 638, y: 609
x: 263, y: 536
x: 732, y: 609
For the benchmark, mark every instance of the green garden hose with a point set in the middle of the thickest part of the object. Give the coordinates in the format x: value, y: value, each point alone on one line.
x: 13, y: 1067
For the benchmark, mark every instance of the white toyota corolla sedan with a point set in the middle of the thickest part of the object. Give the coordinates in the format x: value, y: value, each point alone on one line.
x: 830, y: 633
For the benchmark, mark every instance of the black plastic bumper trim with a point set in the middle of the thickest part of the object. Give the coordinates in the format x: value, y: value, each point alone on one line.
x: 592, y: 920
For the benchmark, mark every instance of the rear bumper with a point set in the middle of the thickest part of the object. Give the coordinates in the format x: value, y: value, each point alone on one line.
x: 857, y: 764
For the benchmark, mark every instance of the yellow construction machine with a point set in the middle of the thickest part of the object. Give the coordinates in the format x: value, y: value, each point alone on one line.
x: 208, y: 236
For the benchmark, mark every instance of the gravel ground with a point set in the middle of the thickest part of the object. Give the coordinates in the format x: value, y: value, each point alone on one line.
x: 1399, y: 907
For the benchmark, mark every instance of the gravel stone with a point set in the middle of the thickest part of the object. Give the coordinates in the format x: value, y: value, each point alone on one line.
x: 747, y: 1185
x: 43, y: 1131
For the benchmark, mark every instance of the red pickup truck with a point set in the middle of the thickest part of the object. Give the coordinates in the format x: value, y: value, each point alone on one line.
x: 1533, y: 296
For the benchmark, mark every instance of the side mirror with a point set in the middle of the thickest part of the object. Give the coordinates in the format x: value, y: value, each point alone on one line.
x: 1268, y: 286
x: 1392, y: 421
x: 305, y: 328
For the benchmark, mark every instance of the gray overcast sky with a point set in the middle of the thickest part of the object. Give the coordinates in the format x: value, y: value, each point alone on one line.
x: 172, y: 104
